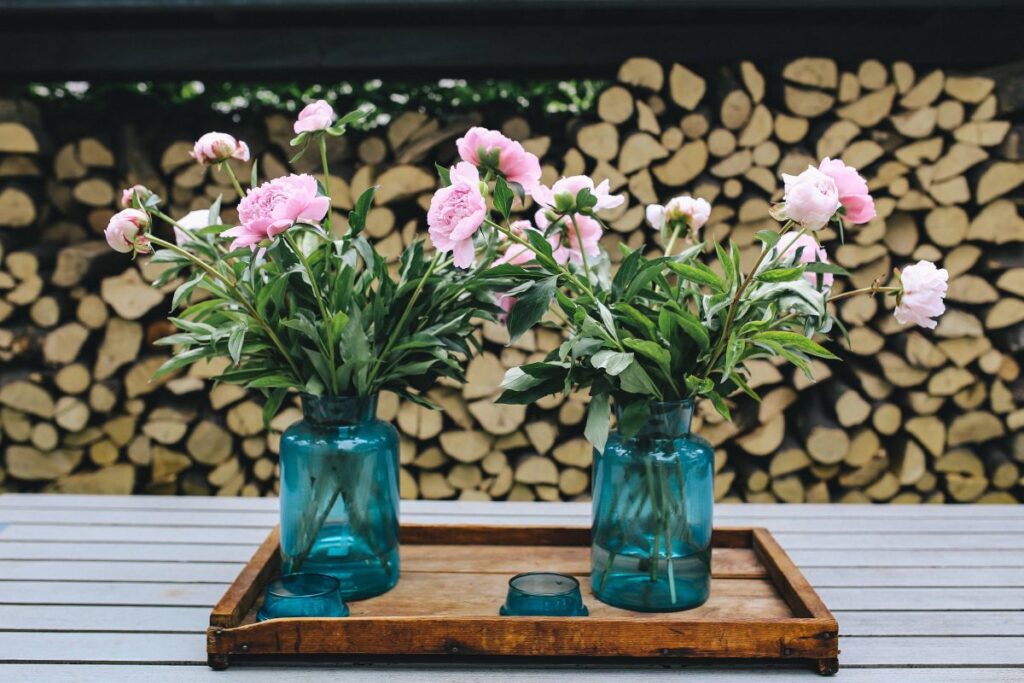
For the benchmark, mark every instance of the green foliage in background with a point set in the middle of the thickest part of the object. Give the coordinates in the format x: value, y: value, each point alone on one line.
x: 390, y: 98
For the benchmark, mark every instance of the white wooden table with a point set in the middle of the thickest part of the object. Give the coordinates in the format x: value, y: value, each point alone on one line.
x: 112, y: 588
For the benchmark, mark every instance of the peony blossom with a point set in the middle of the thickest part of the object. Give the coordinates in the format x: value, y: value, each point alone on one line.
x: 694, y: 212
x: 517, y: 254
x: 505, y: 303
x: 566, y: 245
x: 922, y: 288
x: 809, y: 252
x: 128, y: 194
x: 127, y: 232
x: 273, y: 207
x: 811, y: 198
x: 193, y: 220
x: 490, y: 149
x: 853, y: 190
x: 564, y: 192
x: 315, y: 116
x: 213, y: 148
x: 456, y: 213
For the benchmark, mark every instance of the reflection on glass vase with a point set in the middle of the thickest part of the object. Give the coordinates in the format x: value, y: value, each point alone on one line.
x: 653, y: 497
x: 339, y: 495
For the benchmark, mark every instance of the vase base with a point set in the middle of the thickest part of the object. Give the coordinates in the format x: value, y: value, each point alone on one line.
x: 360, y: 577
x: 626, y: 581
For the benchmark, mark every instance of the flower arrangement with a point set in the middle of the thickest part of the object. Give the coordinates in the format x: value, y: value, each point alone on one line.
x: 671, y: 327
x: 292, y: 305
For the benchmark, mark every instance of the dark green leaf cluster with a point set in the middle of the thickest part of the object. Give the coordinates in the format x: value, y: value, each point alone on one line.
x: 669, y: 328
x: 325, y: 316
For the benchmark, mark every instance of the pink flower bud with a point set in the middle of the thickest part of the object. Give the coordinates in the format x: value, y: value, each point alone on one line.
x: 126, y: 232
x: 315, y: 116
x: 213, y: 148
x: 923, y: 287
x: 811, y: 198
x: 694, y: 211
x: 143, y: 193
x: 564, y: 191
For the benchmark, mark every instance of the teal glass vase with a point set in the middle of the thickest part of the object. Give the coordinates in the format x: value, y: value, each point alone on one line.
x: 339, y: 495
x: 653, y: 498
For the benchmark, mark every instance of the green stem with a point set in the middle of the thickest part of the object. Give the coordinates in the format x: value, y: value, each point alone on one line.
x: 226, y: 167
x: 405, y: 316
x: 579, y: 243
x: 327, y: 181
x: 873, y: 289
x: 321, y: 304
x: 672, y: 240
x: 655, y: 515
x: 668, y: 539
x: 734, y: 305
x: 233, y: 287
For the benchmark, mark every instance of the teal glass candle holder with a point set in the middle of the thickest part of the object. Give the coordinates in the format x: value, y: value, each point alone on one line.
x: 302, y: 595
x: 339, y: 495
x: 653, y: 498
x: 543, y: 594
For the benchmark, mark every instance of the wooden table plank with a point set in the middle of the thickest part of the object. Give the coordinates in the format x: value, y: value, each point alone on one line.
x: 945, y: 579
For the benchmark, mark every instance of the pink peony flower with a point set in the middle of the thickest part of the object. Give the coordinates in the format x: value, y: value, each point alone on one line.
x: 565, y: 244
x: 213, y: 148
x: 565, y: 191
x: 505, y: 303
x: 811, y: 198
x: 273, y: 207
x: 456, y: 213
x: 315, y: 116
x: 694, y: 211
x: 853, y: 190
x: 193, y: 220
x: 126, y: 232
x: 809, y: 252
x: 923, y: 287
x: 517, y: 254
x: 128, y: 194
x: 488, y: 148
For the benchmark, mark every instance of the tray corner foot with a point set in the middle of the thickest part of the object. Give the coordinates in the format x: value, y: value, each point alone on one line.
x: 217, y: 662
x: 829, y: 666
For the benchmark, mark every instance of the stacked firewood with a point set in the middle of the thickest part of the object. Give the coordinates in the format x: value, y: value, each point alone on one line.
x: 909, y: 417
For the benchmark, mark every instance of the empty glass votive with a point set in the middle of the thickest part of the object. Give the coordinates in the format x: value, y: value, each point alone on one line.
x: 303, y: 594
x: 543, y: 594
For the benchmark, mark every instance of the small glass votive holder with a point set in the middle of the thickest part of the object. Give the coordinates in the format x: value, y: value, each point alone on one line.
x: 543, y: 594
x: 302, y: 594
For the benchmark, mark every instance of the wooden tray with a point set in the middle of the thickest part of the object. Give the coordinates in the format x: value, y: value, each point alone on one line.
x: 454, y: 578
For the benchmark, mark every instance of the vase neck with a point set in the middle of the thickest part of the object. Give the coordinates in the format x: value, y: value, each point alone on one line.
x: 339, y: 411
x: 668, y: 420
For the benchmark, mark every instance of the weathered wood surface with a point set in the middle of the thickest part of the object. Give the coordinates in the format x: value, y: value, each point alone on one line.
x: 132, y: 611
x: 453, y: 576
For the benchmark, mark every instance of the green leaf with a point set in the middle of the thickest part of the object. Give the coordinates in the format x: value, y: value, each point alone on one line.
x: 798, y: 342
x: 651, y: 350
x: 699, y: 273
x: 612, y: 362
x: 235, y: 341
x: 633, y: 416
x: 823, y: 267
x: 503, y: 198
x: 531, y: 307
x: 769, y: 237
x: 182, y: 292
x: 598, y: 414
x: 270, y: 408
x: 693, y: 328
x: 635, y: 380
x: 585, y: 200
x: 253, y: 176
x: 357, y: 216
x: 780, y: 274
x: 444, y: 174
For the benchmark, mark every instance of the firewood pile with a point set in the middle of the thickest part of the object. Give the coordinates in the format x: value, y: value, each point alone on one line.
x: 907, y: 418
